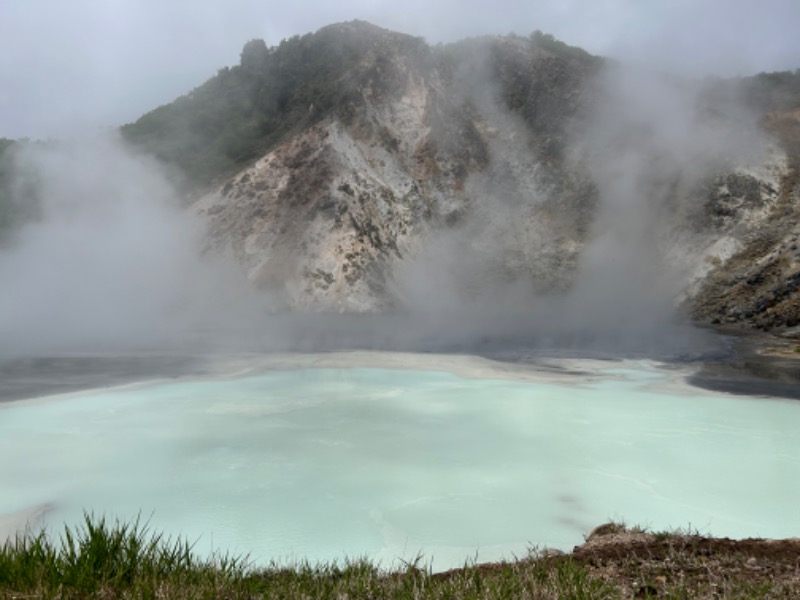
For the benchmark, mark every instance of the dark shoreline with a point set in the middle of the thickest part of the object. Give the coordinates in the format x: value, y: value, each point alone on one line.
x: 729, y: 361
x: 32, y: 377
x: 759, y: 364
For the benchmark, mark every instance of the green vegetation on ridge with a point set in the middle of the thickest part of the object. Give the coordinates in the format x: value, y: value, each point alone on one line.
x: 246, y: 109
x: 20, y: 200
x: 777, y: 91
x: 7, y: 209
x: 17, y: 199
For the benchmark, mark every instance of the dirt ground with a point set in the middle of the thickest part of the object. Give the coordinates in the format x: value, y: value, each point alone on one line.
x: 639, y: 564
x: 642, y: 565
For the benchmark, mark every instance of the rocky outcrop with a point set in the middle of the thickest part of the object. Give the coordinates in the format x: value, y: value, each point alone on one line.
x: 754, y: 282
x: 325, y: 220
x: 469, y: 160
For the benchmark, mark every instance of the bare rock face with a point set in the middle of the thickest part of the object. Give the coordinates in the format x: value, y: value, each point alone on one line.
x: 475, y: 174
x: 755, y: 281
x: 327, y: 219
x: 322, y: 218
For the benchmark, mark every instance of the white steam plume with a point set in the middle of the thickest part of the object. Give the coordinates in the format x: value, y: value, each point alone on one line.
x: 112, y: 262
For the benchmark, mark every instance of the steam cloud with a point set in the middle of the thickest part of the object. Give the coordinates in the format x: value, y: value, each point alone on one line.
x: 115, y: 262
x: 647, y: 142
x: 651, y: 140
x: 112, y: 261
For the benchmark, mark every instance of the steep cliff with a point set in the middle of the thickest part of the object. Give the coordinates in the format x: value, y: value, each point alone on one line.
x: 376, y: 172
x: 755, y: 281
x: 328, y: 217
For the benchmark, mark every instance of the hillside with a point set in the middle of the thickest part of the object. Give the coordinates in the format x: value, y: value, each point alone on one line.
x: 325, y: 217
x: 384, y: 147
x: 249, y: 108
x: 361, y: 170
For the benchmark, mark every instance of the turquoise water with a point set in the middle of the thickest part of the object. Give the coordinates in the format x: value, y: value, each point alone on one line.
x: 327, y: 463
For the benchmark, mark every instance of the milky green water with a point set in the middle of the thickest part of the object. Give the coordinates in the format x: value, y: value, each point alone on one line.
x: 328, y: 463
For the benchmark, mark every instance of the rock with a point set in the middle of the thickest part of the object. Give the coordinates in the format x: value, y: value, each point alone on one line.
x: 417, y: 167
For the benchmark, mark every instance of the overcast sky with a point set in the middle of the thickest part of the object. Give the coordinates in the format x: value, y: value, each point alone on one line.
x: 69, y: 66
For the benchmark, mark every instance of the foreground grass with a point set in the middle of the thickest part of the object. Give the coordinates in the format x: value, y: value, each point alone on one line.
x: 122, y: 560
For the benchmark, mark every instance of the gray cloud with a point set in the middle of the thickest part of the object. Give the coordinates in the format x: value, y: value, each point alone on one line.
x: 67, y: 67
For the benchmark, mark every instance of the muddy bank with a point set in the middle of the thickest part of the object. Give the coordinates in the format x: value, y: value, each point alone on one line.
x: 730, y: 361
x: 757, y: 364
x: 655, y: 565
x: 32, y: 377
x: 637, y: 563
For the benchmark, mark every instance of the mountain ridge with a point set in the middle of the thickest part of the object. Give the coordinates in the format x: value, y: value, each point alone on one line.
x: 388, y: 164
x: 533, y: 94
x: 361, y: 170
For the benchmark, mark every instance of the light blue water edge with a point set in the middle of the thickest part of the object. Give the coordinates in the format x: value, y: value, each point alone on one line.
x: 322, y: 464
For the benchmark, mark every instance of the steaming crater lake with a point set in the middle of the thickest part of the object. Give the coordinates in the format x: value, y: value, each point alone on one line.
x: 384, y: 455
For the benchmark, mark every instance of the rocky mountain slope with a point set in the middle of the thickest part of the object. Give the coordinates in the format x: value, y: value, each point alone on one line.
x: 329, y: 217
x: 757, y: 283
x: 360, y: 170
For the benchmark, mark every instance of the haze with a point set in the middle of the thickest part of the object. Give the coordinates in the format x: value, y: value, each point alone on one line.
x: 69, y: 67
x: 100, y: 271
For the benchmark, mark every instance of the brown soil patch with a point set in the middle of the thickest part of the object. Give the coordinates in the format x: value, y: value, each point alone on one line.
x: 642, y: 565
